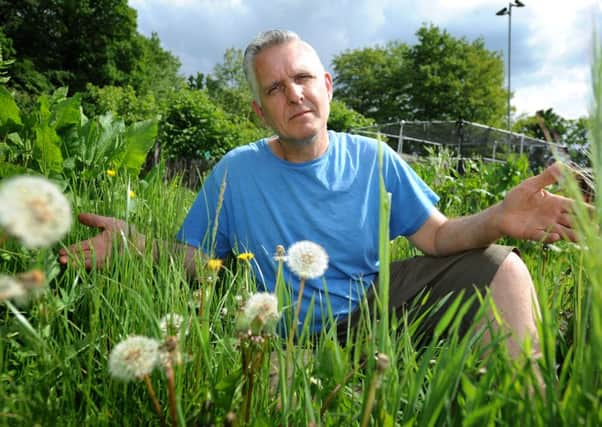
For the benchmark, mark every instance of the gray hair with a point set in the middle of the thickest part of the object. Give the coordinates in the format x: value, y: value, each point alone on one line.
x: 262, y: 41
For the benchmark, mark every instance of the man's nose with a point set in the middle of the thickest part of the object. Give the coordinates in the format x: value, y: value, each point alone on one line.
x: 294, y: 93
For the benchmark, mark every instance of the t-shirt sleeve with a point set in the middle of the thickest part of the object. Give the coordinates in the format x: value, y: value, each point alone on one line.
x: 197, y: 228
x: 412, y: 200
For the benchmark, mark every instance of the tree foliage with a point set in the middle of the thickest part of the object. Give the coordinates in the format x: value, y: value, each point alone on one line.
x: 373, y: 82
x: 454, y: 79
x: 343, y: 118
x: 228, y: 86
x: 75, y: 42
x: 195, y: 127
x: 548, y: 125
x: 156, y: 71
x: 439, y: 78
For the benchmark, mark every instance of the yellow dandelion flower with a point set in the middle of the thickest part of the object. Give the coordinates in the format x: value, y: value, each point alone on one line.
x: 214, y: 264
x: 132, y: 194
x: 246, y: 256
x: 111, y: 172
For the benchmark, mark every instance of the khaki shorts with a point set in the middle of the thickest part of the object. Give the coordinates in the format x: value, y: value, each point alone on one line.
x: 411, y: 278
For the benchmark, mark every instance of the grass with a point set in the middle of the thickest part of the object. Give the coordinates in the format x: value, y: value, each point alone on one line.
x: 54, y: 352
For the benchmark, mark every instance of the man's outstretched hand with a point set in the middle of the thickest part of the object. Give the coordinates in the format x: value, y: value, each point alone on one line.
x: 531, y: 212
x: 95, y: 251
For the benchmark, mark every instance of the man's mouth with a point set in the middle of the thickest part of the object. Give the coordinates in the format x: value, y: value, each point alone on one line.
x: 299, y: 114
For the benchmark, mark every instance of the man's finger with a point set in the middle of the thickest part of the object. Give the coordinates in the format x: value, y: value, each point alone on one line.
x: 551, y: 175
x: 93, y: 220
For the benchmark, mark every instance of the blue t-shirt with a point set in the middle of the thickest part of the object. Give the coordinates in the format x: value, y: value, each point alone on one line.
x: 332, y: 200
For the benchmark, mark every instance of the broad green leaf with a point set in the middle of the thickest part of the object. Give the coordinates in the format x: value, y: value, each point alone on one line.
x: 9, y: 111
x: 46, y: 150
x: 15, y: 138
x: 67, y: 112
x: 138, y: 138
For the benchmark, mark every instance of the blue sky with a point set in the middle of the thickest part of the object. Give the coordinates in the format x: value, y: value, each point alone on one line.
x: 551, y: 39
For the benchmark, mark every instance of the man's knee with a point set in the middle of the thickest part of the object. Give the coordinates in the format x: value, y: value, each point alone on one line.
x: 513, y: 291
x: 512, y: 272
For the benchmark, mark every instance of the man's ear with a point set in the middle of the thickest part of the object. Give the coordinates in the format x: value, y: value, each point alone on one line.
x: 258, y: 110
x: 328, y: 81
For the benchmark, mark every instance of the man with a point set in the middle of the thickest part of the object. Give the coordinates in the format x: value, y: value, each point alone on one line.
x: 307, y: 183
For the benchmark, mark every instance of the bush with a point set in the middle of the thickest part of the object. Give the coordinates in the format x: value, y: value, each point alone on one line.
x: 343, y: 118
x: 195, y: 127
x: 121, y: 101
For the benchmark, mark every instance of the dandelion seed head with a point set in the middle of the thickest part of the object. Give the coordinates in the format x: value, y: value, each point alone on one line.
x: 382, y: 362
x: 11, y: 288
x: 280, y: 255
x: 172, y: 323
x: 307, y: 260
x: 134, y: 358
x: 34, y: 210
x: 260, y: 313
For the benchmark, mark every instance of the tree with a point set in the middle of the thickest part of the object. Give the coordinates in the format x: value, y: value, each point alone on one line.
x: 454, y: 79
x: 227, y: 85
x: 548, y: 125
x: 72, y: 42
x: 439, y: 78
x: 343, y: 118
x: 156, y: 71
x: 372, y: 81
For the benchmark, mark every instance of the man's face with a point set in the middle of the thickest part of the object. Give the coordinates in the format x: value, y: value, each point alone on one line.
x: 294, y: 90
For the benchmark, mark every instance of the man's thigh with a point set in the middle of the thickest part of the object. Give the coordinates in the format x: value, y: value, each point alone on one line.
x: 436, y: 277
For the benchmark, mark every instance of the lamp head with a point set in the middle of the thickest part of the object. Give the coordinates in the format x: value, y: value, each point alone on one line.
x: 518, y: 3
x: 502, y: 12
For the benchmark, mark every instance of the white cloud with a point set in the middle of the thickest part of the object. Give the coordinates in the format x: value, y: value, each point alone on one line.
x: 567, y: 91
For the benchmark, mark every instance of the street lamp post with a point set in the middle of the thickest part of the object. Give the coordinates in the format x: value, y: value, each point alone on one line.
x: 503, y: 12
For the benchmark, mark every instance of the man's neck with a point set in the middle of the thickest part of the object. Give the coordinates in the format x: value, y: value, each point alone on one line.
x: 300, y: 151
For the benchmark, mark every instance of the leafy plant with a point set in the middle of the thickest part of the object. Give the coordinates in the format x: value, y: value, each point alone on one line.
x: 57, y: 139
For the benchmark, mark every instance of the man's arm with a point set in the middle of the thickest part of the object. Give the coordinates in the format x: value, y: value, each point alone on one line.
x: 97, y: 250
x: 528, y: 212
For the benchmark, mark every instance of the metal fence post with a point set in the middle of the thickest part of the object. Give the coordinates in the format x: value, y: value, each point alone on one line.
x: 400, y: 138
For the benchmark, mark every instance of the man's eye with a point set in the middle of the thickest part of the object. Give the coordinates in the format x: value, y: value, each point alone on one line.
x: 274, y: 89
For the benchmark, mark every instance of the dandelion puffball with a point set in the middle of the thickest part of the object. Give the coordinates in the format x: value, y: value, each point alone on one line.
x: 172, y: 323
x: 306, y: 259
x: 34, y: 210
x: 134, y: 358
x: 260, y: 313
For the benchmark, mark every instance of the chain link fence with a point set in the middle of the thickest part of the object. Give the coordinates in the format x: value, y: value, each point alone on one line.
x: 414, y: 139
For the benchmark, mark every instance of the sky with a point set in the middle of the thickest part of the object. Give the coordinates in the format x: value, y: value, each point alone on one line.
x: 551, y: 40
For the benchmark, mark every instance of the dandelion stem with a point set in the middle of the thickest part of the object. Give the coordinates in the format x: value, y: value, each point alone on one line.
x: 248, y: 386
x: 154, y: 400
x: 338, y: 387
x: 370, y: 399
x: 249, y: 397
x: 201, y: 304
x: 291, y: 336
x: 171, y: 388
x: 293, y: 329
